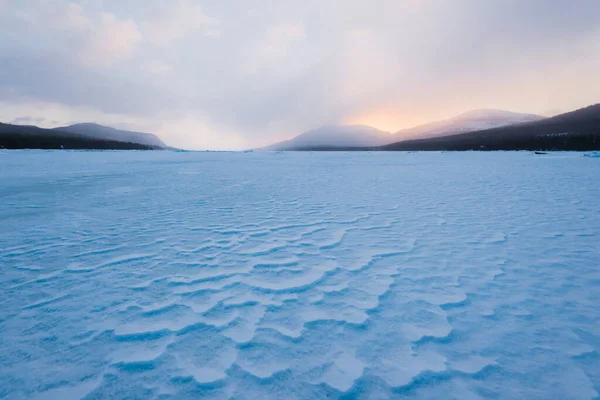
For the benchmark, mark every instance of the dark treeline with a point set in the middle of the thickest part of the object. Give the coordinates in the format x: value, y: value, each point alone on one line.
x: 572, y: 142
x: 15, y: 137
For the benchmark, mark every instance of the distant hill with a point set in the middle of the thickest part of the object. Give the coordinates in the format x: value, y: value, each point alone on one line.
x: 576, y: 130
x: 347, y: 137
x: 33, y: 137
x: 467, y: 122
x: 106, y: 133
x: 335, y: 136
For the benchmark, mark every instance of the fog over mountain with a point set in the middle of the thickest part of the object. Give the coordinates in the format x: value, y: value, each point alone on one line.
x: 576, y: 130
x: 104, y: 132
x: 86, y: 136
x: 475, y: 130
x: 469, y: 121
x: 32, y: 137
x: 336, y: 136
x: 366, y: 136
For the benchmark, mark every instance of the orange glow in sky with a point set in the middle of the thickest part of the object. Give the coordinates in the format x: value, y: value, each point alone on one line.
x: 387, y: 119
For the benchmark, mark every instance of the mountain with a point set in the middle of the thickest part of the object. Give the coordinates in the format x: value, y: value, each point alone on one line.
x: 336, y: 136
x: 467, y: 122
x: 577, y: 130
x: 33, y: 137
x: 348, y: 137
x: 106, y: 133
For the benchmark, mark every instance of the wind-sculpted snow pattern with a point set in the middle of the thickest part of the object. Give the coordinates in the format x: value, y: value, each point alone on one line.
x: 133, y: 275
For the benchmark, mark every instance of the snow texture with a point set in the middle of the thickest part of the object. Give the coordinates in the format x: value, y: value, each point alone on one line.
x: 299, y: 276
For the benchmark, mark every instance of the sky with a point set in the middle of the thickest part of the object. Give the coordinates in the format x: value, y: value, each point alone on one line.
x: 235, y: 74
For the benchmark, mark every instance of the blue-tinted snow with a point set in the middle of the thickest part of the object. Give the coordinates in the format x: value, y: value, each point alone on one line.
x: 283, y: 276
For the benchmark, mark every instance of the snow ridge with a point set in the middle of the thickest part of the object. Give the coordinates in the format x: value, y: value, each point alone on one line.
x: 257, y: 275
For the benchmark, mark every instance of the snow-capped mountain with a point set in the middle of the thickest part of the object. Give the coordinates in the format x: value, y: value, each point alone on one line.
x: 336, y: 136
x: 470, y: 121
x: 577, y: 130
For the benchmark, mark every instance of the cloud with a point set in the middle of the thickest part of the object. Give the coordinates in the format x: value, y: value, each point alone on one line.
x: 248, y: 75
x: 53, y: 114
x: 28, y: 121
x: 279, y: 39
x: 110, y: 40
x: 68, y: 16
x: 28, y: 77
x: 196, y: 132
x: 98, y: 40
x: 178, y: 20
x: 158, y: 67
x: 273, y: 52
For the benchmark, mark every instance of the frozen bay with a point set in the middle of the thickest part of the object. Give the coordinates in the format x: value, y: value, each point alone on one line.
x: 299, y: 275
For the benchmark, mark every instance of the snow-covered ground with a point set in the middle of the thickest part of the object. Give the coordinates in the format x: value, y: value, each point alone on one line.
x: 299, y: 276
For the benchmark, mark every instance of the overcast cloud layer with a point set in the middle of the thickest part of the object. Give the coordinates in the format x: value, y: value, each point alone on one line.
x: 238, y: 74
